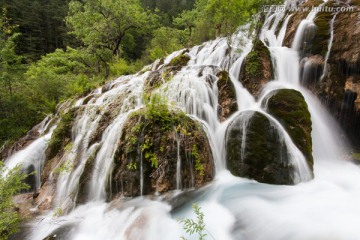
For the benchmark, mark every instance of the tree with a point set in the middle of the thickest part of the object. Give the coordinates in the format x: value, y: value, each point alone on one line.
x: 217, y: 18
x: 165, y: 41
x: 103, y: 24
x: 11, y: 183
x: 61, y: 74
x: 41, y: 24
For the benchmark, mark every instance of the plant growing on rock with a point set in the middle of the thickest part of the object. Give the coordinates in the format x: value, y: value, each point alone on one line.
x: 11, y: 183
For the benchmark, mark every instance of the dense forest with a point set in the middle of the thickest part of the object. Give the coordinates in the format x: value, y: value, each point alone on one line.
x: 53, y: 50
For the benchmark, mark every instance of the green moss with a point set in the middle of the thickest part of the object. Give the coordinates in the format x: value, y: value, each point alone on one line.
x: 198, y: 166
x: 265, y: 154
x: 322, y: 36
x: 180, y: 61
x: 61, y: 134
x: 253, y: 66
x: 289, y: 107
x: 150, y: 140
x: 257, y: 68
x: 356, y: 156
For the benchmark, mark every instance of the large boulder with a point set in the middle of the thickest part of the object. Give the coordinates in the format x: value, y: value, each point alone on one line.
x: 255, y: 150
x: 257, y: 69
x: 288, y: 106
x: 157, y: 144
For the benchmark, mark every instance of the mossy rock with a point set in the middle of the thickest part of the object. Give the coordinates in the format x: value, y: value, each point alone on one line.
x: 152, y: 142
x: 319, y: 44
x: 288, y: 106
x: 227, y: 96
x: 62, y: 134
x: 181, y: 60
x: 159, y: 77
x: 257, y: 69
x: 262, y: 155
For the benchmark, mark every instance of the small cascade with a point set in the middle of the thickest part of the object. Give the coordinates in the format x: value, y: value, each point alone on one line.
x: 246, y: 120
x: 178, y: 161
x: 305, y: 28
x: 33, y: 156
x: 110, y: 138
x: 329, y: 47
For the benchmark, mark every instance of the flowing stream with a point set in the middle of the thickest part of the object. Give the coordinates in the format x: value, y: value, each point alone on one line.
x: 326, y: 207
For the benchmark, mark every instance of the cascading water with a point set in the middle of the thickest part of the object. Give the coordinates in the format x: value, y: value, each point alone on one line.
x: 324, y: 208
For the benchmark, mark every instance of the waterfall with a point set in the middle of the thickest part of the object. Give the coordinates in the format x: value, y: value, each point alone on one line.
x: 234, y: 208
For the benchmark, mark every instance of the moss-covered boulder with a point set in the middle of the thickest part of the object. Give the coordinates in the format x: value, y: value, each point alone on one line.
x: 257, y: 69
x: 62, y: 134
x: 156, y: 144
x: 255, y: 150
x: 288, y: 106
x: 227, y: 96
x: 181, y: 60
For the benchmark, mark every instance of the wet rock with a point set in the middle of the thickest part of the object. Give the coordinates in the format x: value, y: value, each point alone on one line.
x: 288, y: 106
x: 255, y: 150
x: 153, y: 140
x: 61, y: 135
x: 30, y: 179
x: 257, y: 69
x: 311, y: 70
x: 295, y: 20
x: 227, y: 96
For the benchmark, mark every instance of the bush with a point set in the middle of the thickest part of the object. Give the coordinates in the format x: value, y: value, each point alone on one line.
x: 11, y: 183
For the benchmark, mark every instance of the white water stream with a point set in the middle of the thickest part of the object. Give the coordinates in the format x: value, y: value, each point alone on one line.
x: 326, y: 207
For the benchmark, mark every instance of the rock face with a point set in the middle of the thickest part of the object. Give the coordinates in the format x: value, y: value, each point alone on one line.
x: 338, y: 85
x: 257, y: 69
x: 288, y: 106
x: 155, y: 144
x: 255, y: 150
x: 227, y: 96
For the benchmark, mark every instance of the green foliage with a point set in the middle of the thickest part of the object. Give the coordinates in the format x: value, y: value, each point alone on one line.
x: 198, y: 166
x: 165, y: 41
x: 11, y: 183
x: 59, y: 135
x: 58, y: 212
x: 212, y: 18
x: 152, y: 158
x: 121, y: 66
x: 180, y: 60
x: 104, y: 24
x: 43, y: 30
x: 62, y: 74
x: 195, y: 227
x: 132, y: 166
x: 64, y: 168
x: 253, y: 65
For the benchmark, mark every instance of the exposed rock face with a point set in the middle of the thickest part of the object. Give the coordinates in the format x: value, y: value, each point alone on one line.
x: 255, y: 150
x: 227, y: 96
x: 257, y: 69
x: 149, y: 149
x: 288, y: 106
x: 342, y: 71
